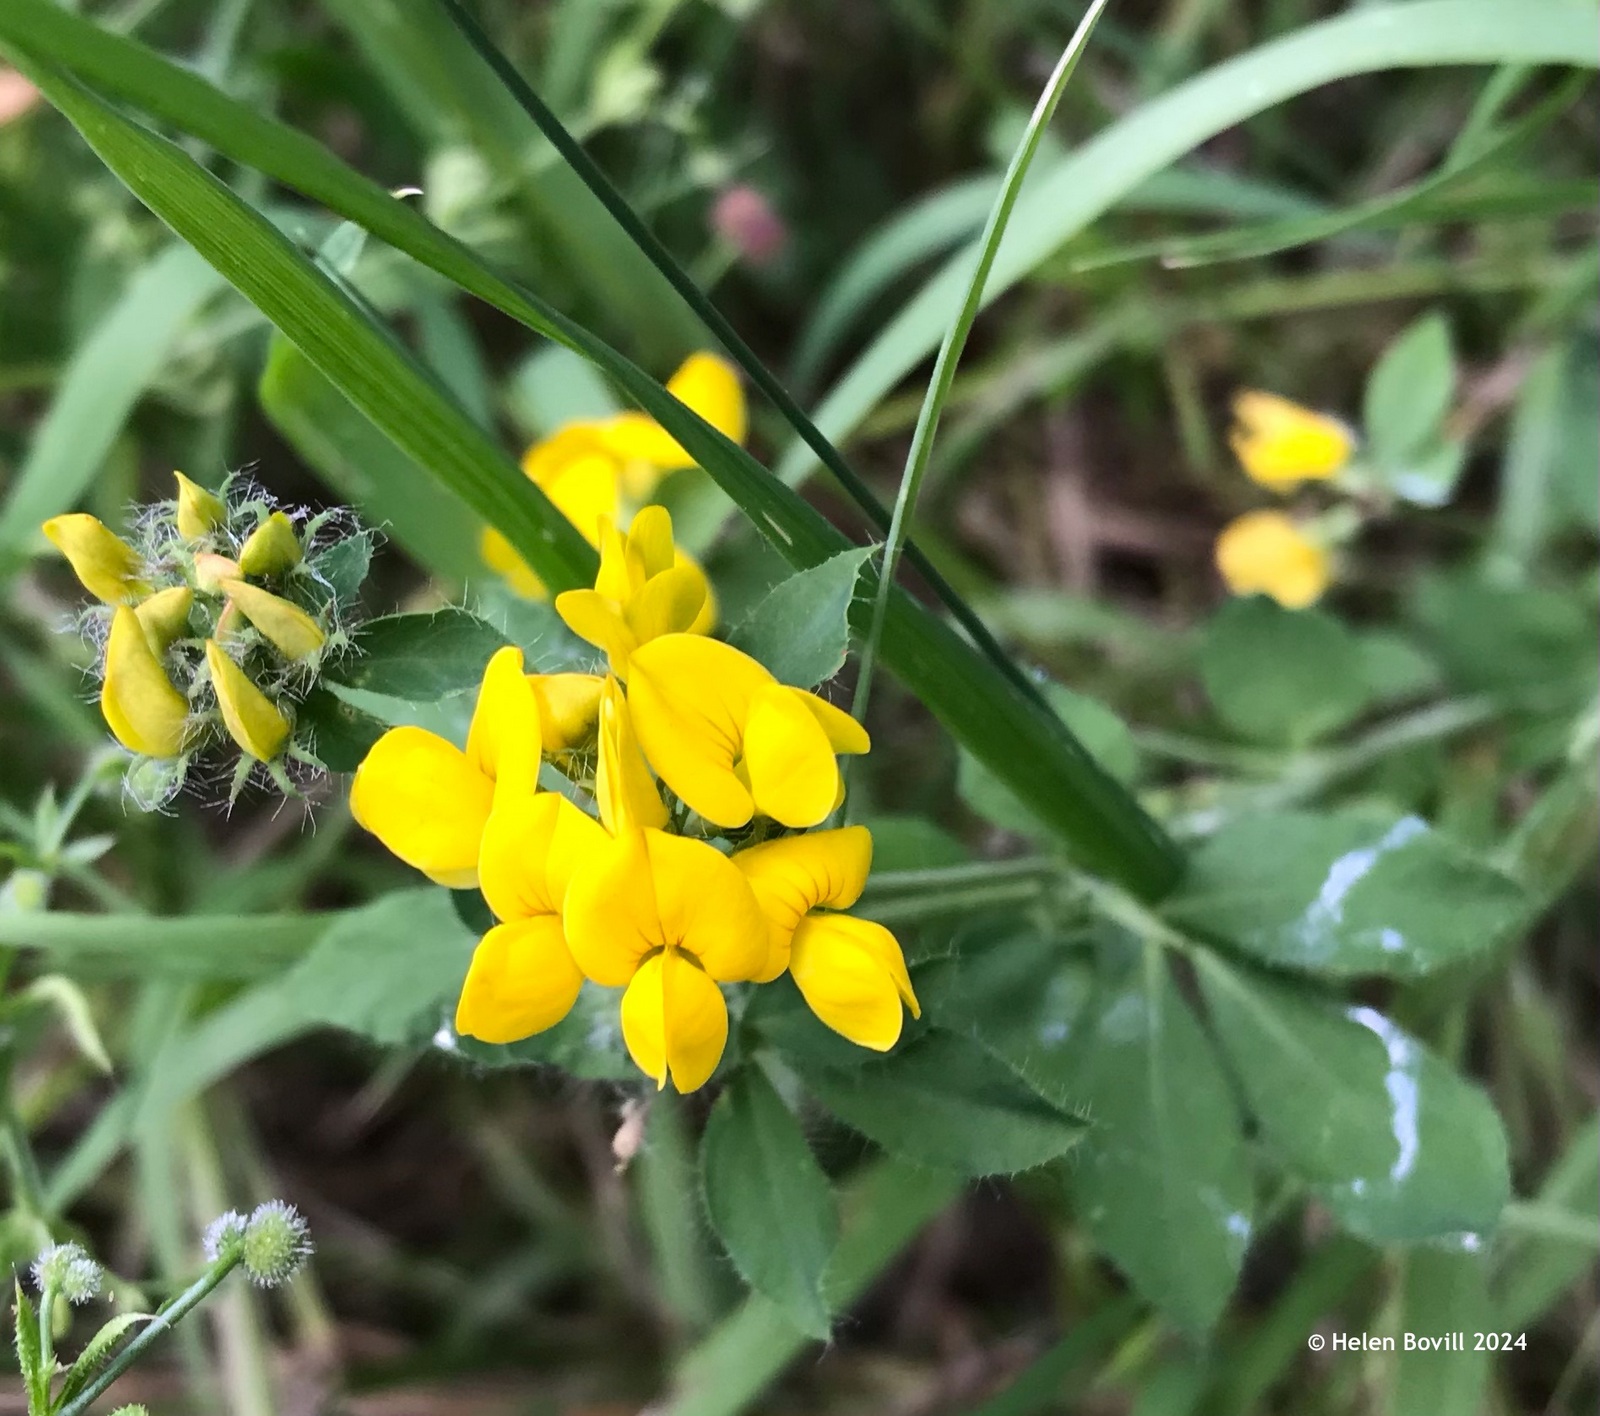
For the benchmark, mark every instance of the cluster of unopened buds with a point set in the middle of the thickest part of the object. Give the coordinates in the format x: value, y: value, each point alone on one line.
x: 215, y: 616
x: 691, y: 862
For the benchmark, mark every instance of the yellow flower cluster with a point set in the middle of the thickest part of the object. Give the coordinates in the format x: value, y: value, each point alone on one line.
x: 685, y: 741
x: 1281, y: 445
x: 153, y: 597
x: 597, y: 470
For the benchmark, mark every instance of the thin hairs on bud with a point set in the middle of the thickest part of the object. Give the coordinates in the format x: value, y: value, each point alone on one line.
x: 276, y: 1243
x: 68, y: 1270
x: 223, y: 1236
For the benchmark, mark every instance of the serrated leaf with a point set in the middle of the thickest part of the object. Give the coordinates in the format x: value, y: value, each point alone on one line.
x: 944, y: 1100
x: 801, y: 630
x: 96, y: 1352
x: 1390, y: 1138
x: 1345, y: 894
x: 30, y: 1357
x: 420, y: 658
x: 1408, y: 394
x: 769, y: 1201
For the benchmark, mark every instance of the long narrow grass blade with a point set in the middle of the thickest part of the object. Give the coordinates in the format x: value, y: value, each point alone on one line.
x: 955, y: 340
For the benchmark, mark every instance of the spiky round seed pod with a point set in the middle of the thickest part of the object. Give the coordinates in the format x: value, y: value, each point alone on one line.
x: 223, y: 1236
x: 67, y: 1270
x: 131, y: 1411
x: 276, y: 1243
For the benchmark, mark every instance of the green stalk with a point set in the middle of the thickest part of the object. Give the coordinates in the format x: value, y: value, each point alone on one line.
x: 645, y: 239
x: 955, y: 340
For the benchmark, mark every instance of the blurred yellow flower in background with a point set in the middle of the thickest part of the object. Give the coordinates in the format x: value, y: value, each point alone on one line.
x: 1281, y: 444
x: 1267, y: 553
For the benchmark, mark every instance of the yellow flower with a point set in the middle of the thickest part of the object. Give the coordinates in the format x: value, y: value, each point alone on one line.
x: 523, y: 979
x: 272, y: 548
x: 850, y: 971
x: 164, y: 616
x: 286, y: 626
x: 623, y: 789
x: 668, y: 917
x: 1281, y: 444
x: 199, y: 511
x: 251, y: 718
x: 587, y: 468
x: 1264, y: 552
x: 107, y: 565
x: 730, y: 739
x: 144, y: 711
x: 644, y: 589
x: 428, y: 801
x: 569, y: 708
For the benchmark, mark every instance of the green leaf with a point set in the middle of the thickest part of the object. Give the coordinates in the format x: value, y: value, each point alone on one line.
x: 108, y: 373
x: 1162, y: 1179
x: 150, y: 946
x: 96, y: 1352
x: 801, y: 630
x: 366, y: 469
x: 769, y: 1201
x: 1348, y: 894
x: 30, y: 1357
x: 1392, y: 1140
x: 1281, y: 676
x: 1408, y: 394
x: 1441, y: 1294
x: 945, y: 1101
x: 338, y: 734
x: 420, y: 657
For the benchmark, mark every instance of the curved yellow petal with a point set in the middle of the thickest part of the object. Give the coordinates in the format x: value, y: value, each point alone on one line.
x: 674, y: 1021
x: 272, y: 548
x: 522, y: 981
x: 709, y: 384
x: 569, y: 708
x: 618, y: 575
x: 587, y: 491
x: 290, y: 630
x: 210, y: 570
x: 797, y: 874
x: 623, y: 788
x: 668, y: 603
x: 650, y: 540
x: 853, y: 976
x: 596, y: 619
x: 253, y: 721
x: 499, y: 556
x: 164, y: 616
x: 548, y: 458
x: 199, y: 511
x: 706, y: 620
x: 690, y: 697
x: 610, y: 911
x: 532, y: 844
x: 1264, y: 552
x: 706, y: 907
x: 505, y: 739
x: 425, y: 800
x: 106, y: 565
x: 144, y: 711
x: 1279, y: 443
x: 843, y: 732
x: 794, y: 776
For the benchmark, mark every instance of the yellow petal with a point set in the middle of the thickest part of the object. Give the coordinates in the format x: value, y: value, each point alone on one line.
x: 505, y: 562
x: 706, y: 620
x: 586, y: 492
x: 532, y: 844
x: 210, y: 570
x: 1264, y: 552
x: 794, y: 776
x: 674, y: 1020
x: 796, y: 874
x: 423, y: 798
x: 251, y: 718
x: 650, y: 540
x: 165, y: 616
x: 547, y: 459
x: 596, y: 619
x: 706, y: 907
x: 610, y: 914
x: 669, y: 603
x: 106, y: 565
x: 504, y: 741
x: 623, y: 788
x: 690, y: 697
x: 272, y: 548
x: 522, y: 981
x: 1280, y: 444
x: 704, y: 383
x: 843, y: 732
x: 199, y: 511
x: 853, y: 976
x: 569, y: 708
x: 287, y: 627
x: 143, y: 710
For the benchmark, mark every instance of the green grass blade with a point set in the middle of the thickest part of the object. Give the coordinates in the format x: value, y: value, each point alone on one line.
x: 1104, y: 170
x: 955, y: 340
x: 1025, y: 744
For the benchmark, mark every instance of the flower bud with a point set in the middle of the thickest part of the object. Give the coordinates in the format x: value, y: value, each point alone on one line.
x: 289, y: 628
x: 142, y: 708
x: 272, y: 549
x: 210, y: 570
x: 223, y: 1236
x: 250, y: 716
x: 275, y: 1243
x: 67, y: 1270
x: 199, y: 511
x: 165, y: 615
x: 108, y: 566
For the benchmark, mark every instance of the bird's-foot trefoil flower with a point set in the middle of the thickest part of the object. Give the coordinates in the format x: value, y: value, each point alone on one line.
x: 200, y: 511
x: 1268, y: 553
x: 850, y: 971
x: 645, y: 588
x: 251, y: 718
x: 731, y: 740
x: 106, y: 565
x: 669, y: 918
x: 145, y: 713
x: 625, y: 794
x: 1280, y: 444
x: 427, y: 800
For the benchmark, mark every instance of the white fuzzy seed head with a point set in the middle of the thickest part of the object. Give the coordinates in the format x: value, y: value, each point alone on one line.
x: 68, y: 1270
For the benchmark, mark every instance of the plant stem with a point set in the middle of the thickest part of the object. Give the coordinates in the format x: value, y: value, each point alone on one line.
x: 944, y: 369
